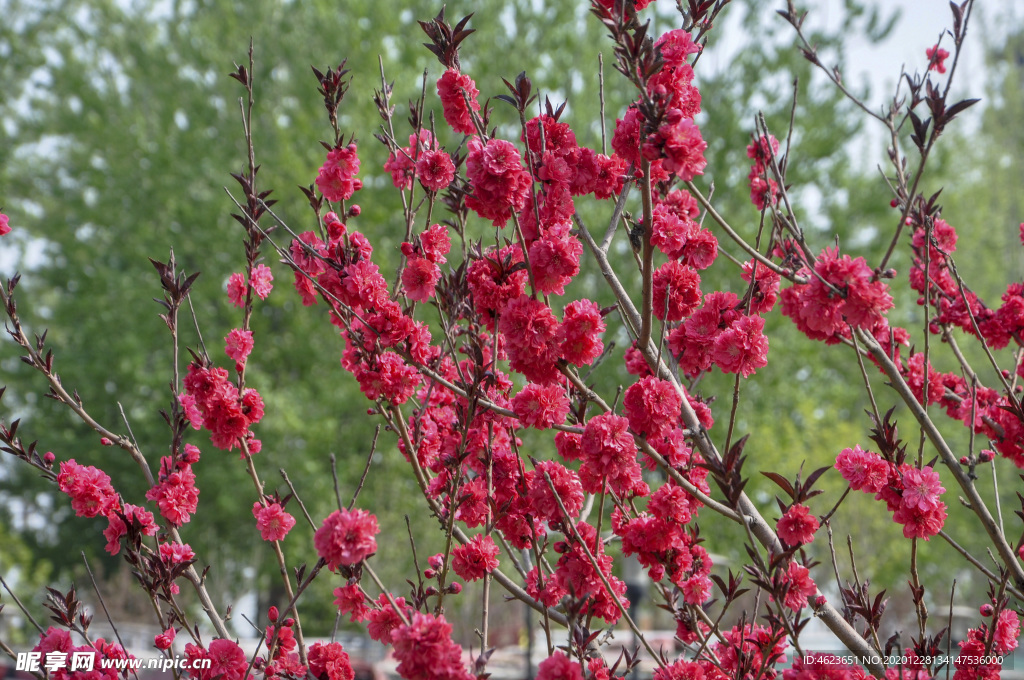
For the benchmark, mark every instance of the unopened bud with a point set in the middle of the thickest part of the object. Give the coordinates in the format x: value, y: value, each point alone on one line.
x: 105, y: 441
x: 985, y: 609
x: 986, y: 455
x: 429, y: 573
x: 354, y: 211
x: 48, y: 457
x: 289, y: 622
x: 272, y: 614
x: 454, y: 587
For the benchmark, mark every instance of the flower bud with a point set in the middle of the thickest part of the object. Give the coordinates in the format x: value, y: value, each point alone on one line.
x: 354, y: 211
x: 272, y: 614
x: 105, y: 441
x: 289, y: 622
x: 429, y: 573
x: 48, y: 457
x: 431, y: 590
x: 454, y: 587
x: 985, y: 609
x: 986, y: 455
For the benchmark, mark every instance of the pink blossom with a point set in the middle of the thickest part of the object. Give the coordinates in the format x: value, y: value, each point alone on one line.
x: 425, y: 650
x: 936, y: 58
x: 921, y: 488
x: 176, y: 553
x: 863, y: 470
x: 455, y: 89
x: 5, y: 228
x: 652, y: 406
x: 435, y: 170
x: 88, y: 487
x: 798, y: 577
x: 329, y: 662
x: 349, y: 600
x: 336, y: 179
x: 262, y: 280
x: 272, y: 521
x: 237, y: 289
x: 476, y: 558
x: 346, y: 538
x: 165, y: 639
x: 541, y: 406
x: 419, y: 278
x: 559, y: 667
x: 238, y: 344
x: 797, y: 526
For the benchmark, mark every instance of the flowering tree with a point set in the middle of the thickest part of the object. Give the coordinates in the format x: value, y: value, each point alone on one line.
x: 474, y: 340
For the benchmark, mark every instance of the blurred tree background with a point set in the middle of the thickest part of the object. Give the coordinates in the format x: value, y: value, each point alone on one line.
x: 118, y: 128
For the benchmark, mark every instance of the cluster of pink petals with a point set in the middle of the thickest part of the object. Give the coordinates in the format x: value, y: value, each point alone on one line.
x: 499, y: 182
x: 227, y: 661
x: 764, y: 191
x: 473, y: 560
x: 458, y: 95
x: 797, y: 525
x: 175, y: 492
x: 609, y: 457
x: 58, y: 641
x: 336, y: 179
x: 88, y: 487
x: 720, y: 334
x: 272, y: 520
x: 421, y: 273
x: 841, y: 293
x: 425, y: 650
x: 541, y: 406
x: 911, y: 494
x: 226, y: 414
x: 117, y: 528
x: 346, y: 538
x: 329, y: 661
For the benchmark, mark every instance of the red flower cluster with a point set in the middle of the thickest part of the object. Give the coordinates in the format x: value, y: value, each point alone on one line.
x: 58, y: 642
x: 797, y: 526
x: 675, y: 232
x: 541, y: 406
x: 422, y: 272
x: 227, y: 661
x: 609, y: 458
x: 559, y: 667
x: 842, y: 292
x: 458, y: 95
x: 476, y: 558
x: 336, y: 179
x: 985, y: 642
x: 575, y: 574
x: 346, y: 538
x: 936, y: 58
x: 119, y: 520
x: 89, y: 489
x: 720, y: 334
x: 272, y: 521
x: 499, y: 182
x: 175, y: 493
x: 226, y: 415
x: 425, y: 650
x: 329, y: 662
x: 764, y: 190
x: 911, y: 494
